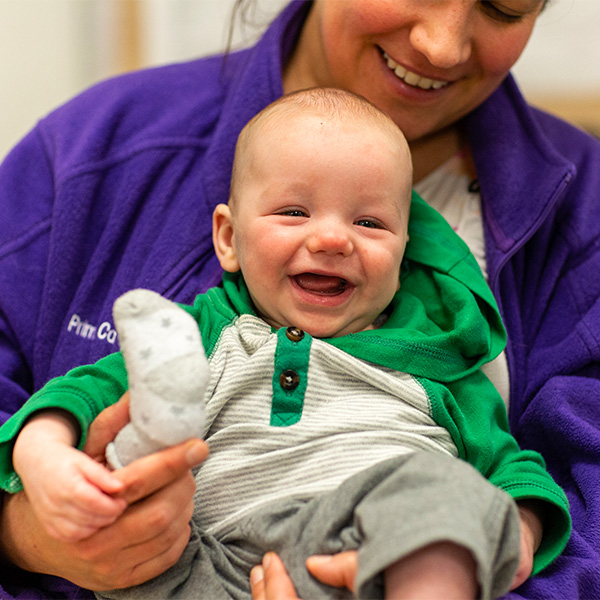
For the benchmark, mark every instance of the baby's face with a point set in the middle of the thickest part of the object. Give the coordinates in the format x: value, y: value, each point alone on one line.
x: 320, y: 225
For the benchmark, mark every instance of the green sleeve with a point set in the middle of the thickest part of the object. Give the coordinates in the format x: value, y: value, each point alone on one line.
x: 83, y: 392
x: 87, y: 390
x: 475, y: 415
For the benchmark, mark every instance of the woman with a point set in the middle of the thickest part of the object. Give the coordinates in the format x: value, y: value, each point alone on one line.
x: 154, y: 150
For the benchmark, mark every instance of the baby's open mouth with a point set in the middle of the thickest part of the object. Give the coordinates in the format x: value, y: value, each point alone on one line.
x: 326, y: 285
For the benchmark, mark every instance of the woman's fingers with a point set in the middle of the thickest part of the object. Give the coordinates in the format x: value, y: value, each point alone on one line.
x: 270, y: 581
x: 257, y: 583
x: 149, y: 474
x: 338, y: 570
x: 105, y: 427
x: 146, y: 540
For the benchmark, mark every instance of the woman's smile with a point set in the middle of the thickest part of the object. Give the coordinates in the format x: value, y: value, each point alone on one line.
x: 411, y: 78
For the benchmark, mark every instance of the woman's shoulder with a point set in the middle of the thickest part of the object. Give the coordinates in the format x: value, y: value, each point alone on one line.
x: 574, y: 142
x: 582, y: 149
x: 572, y: 219
x: 177, y: 104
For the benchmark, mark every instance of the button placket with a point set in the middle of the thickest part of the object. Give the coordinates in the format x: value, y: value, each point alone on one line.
x: 290, y: 376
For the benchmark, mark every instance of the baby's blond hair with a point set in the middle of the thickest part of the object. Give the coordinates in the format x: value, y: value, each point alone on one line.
x: 332, y: 103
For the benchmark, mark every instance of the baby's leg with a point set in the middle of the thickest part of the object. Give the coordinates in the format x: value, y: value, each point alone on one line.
x: 390, y: 513
x: 450, y: 525
x: 440, y: 570
x: 167, y: 372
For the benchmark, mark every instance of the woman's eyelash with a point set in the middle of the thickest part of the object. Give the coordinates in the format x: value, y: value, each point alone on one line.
x: 499, y: 14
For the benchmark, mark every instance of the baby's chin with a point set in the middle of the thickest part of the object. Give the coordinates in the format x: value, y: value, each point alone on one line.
x: 324, y: 329
x: 348, y: 330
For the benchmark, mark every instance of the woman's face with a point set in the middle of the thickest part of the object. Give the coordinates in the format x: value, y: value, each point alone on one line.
x: 426, y: 63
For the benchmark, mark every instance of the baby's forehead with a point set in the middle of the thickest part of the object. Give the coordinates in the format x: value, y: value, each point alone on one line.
x: 345, y: 126
x: 286, y: 116
x: 298, y: 127
x: 331, y: 106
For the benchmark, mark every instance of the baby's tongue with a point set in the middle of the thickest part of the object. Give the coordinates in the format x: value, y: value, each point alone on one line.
x: 321, y: 284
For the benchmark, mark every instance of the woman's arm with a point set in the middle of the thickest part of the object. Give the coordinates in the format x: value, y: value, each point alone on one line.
x: 145, y: 541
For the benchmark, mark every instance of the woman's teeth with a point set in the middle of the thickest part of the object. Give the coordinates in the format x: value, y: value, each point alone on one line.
x: 412, y: 78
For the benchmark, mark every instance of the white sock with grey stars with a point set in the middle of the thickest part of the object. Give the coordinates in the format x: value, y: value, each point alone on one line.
x: 167, y: 372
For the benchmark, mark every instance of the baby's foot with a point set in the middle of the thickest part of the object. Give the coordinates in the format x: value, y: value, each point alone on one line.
x: 167, y: 372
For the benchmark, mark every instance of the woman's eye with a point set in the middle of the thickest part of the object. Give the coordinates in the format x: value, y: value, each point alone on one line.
x: 368, y: 223
x: 499, y: 13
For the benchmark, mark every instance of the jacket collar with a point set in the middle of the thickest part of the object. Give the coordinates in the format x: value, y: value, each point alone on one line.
x: 521, y: 173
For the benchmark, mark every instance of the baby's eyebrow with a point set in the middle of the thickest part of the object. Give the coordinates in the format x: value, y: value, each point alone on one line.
x: 283, y: 187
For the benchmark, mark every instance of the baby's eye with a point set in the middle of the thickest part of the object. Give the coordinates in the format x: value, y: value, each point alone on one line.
x: 368, y: 223
x: 293, y: 212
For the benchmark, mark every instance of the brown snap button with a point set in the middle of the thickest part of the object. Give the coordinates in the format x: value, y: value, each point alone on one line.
x: 294, y: 333
x: 289, y: 380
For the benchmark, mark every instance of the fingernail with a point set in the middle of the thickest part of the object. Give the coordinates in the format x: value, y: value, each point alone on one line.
x: 256, y: 575
x: 195, y: 454
x: 117, y: 484
x: 267, y: 558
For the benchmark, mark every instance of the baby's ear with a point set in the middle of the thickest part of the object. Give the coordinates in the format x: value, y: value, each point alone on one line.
x: 223, y: 238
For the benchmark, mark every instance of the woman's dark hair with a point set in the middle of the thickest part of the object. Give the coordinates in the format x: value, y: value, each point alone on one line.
x: 242, y: 12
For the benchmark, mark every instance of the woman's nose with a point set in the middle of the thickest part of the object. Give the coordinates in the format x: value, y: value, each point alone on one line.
x: 330, y: 239
x: 443, y: 33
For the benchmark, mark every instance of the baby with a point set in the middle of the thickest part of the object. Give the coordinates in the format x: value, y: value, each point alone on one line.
x: 343, y: 384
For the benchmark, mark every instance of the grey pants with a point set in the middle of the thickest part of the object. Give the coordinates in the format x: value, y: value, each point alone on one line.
x: 385, y: 512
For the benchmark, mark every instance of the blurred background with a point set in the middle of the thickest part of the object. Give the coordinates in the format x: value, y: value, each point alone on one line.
x: 52, y: 49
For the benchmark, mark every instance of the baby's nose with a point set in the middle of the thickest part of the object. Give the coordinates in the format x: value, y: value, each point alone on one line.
x: 330, y: 239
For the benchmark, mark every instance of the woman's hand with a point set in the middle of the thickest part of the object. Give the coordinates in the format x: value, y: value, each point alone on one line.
x: 531, y: 530
x: 105, y: 427
x: 71, y: 494
x: 270, y: 580
x: 146, y: 539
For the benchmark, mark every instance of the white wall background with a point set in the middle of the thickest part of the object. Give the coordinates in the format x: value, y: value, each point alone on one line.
x: 563, y: 54
x: 52, y: 49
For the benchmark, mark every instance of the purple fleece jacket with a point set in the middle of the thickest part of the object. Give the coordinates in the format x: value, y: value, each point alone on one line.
x: 116, y: 189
